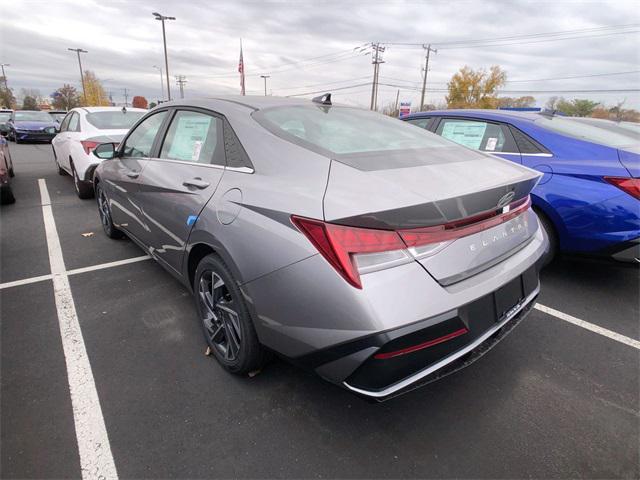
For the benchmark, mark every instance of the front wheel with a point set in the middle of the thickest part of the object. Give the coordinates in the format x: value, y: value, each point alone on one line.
x: 226, y: 323
x: 6, y: 195
x: 105, y: 214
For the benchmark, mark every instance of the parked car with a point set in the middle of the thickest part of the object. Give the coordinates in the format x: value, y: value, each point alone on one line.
x: 80, y: 131
x: 57, y: 115
x: 5, y: 115
x: 376, y: 254
x: 31, y: 125
x: 6, y: 172
x: 588, y: 199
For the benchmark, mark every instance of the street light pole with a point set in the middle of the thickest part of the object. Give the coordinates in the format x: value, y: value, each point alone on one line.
x: 79, y: 51
x: 4, y: 76
x: 265, y: 83
x: 162, y: 18
x: 161, y: 81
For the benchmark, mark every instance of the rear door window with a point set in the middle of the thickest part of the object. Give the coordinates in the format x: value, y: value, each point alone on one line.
x: 74, y: 123
x: 478, y: 135
x: 194, y: 137
x: 421, y: 122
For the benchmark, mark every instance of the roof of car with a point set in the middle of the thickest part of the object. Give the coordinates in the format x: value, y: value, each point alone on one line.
x: 254, y: 102
x: 109, y: 109
x: 482, y: 113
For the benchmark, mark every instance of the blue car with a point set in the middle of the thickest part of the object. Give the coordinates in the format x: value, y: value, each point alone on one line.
x: 31, y: 125
x: 589, y: 197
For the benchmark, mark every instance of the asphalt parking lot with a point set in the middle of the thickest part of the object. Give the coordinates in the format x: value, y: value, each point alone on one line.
x: 554, y: 400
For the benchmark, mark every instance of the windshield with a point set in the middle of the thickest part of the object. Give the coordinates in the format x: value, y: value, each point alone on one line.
x: 27, y: 116
x: 344, y: 130
x: 4, y: 116
x: 593, y: 130
x: 114, y: 120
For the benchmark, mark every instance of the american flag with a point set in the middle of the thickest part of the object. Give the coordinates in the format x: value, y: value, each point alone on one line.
x: 241, y: 70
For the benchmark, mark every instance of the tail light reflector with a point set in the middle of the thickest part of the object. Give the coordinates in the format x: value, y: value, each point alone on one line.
x: 627, y: 185
x: 88, y: 146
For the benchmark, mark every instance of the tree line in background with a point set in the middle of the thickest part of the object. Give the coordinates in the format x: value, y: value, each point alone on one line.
x: 468, y: 88
x: 65, y: 97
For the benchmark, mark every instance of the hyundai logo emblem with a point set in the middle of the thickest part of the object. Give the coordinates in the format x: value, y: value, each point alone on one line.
x: 506, y: 199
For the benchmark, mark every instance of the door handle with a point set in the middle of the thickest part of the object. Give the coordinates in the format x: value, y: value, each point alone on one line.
x: 196, y: 182
x: 133, y: 174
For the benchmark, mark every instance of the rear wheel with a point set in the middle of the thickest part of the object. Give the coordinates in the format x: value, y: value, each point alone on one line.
x: 105, y: 214
x: 549, y: 232
x: 83, y: 189
x: 61, y: 171
x: 225, y: 319
x: 6, y: 195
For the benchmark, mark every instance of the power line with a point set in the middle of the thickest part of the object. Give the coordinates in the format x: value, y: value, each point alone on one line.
x: 181, y: 80
x: 516, y: 37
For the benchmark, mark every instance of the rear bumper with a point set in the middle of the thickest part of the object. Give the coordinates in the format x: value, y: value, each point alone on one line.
x: 450, y: 355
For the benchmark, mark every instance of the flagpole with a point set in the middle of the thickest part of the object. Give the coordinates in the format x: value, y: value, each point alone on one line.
x: 241, y: 70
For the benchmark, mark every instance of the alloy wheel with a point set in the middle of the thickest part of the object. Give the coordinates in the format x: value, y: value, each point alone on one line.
x: 220, y: 318
x: 103, y: 209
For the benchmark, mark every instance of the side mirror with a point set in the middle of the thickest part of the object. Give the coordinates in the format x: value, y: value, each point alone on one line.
x: 105, y: 151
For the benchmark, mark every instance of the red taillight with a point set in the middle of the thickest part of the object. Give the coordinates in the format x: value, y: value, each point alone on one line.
x: 421, y: 346
x: 88, y: 146
x: 628, y: 185
x: 338, y: 244
x: 415, y: 237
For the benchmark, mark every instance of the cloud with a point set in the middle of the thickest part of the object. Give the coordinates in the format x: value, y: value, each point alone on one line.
x: 124, y: 42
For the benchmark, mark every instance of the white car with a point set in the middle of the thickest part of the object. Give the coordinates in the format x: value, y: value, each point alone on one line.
x: 80, y: 132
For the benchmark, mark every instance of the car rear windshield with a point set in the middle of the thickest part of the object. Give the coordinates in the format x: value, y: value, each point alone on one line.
x: 345, y: 130
x: 115, y: 120
x: 33, y: 117
x: 605, y: 133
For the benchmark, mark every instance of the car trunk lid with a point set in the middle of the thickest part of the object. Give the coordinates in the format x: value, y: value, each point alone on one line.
x: 442, y: 188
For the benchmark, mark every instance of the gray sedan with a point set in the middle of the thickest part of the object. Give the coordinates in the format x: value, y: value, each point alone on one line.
x: 374, y: 253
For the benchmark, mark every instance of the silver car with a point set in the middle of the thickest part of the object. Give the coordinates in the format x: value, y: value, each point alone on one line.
x: 375, y: 253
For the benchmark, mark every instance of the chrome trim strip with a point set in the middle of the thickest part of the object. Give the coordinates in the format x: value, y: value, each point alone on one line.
x: 447, y: 360
x: 527, y: 154
x: 208, y: 165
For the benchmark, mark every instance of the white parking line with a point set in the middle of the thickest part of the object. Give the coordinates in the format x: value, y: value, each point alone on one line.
x: 75, y: 271
x: 96, y: 460
x: 589, y: 326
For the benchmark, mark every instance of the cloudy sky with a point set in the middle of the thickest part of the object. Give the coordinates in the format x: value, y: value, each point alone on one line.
x: 310, y: 46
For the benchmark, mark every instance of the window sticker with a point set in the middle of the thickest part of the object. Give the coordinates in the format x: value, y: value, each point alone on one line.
x: 469, y: 134
x: 190, y: 134
x: 491, y: 144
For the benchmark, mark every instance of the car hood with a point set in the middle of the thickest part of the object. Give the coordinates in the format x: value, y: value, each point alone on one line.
x: 30, y: 125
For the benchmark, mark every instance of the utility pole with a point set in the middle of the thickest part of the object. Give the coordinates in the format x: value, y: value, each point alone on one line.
x: 126, y: 96
x: 162, y: 18
x: 376, y: 60
x: 79, y: 51
x: 161, y: 81
x: 4, y: 76
x: 424, y: 78
x: 265, y: 83
x: 181, y: 80
x: 395, y: 109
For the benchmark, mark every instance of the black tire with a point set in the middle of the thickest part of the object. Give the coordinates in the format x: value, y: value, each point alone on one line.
x: 83, y: 189
x: 104, y: 211
x: 549, y: 232
x: 61, y: 171
x: 6, y: 196
x: 225, y: 319
x: 11, y: 172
